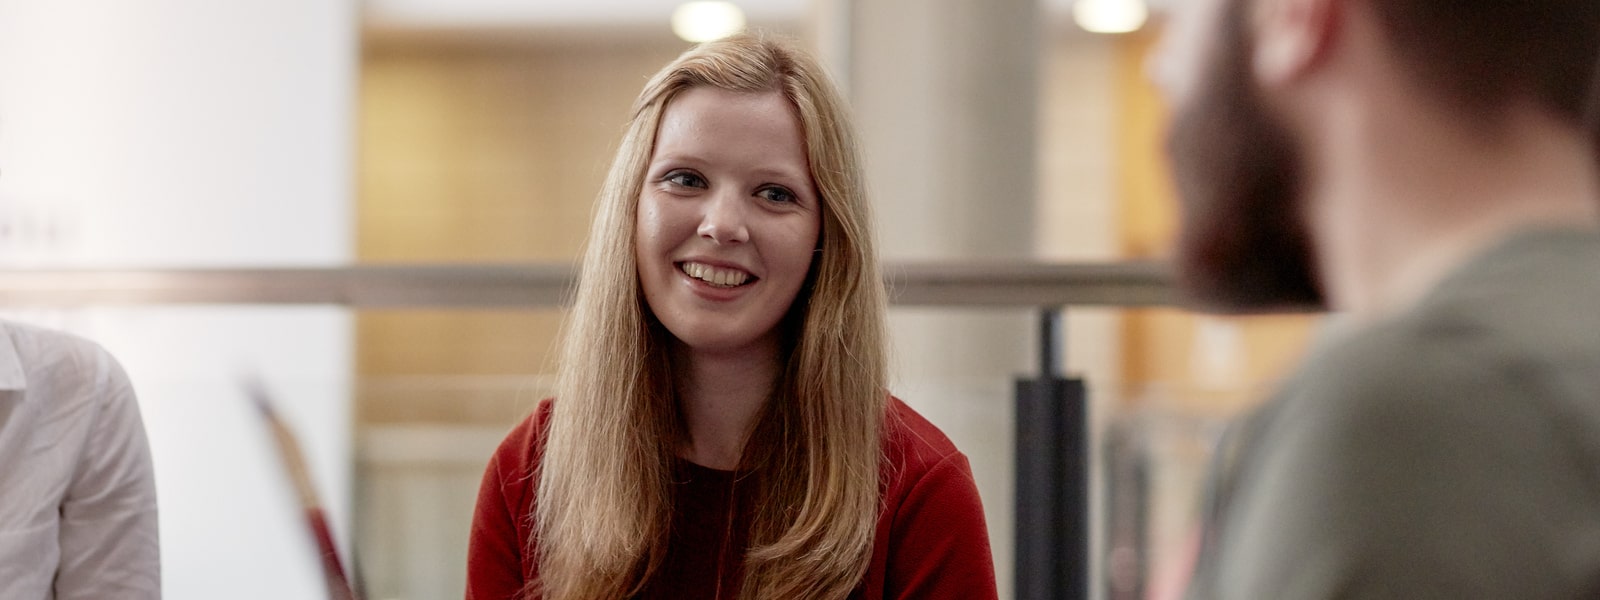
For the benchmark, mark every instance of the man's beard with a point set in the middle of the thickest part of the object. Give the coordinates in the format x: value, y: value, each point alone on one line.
x: 1244, y: 245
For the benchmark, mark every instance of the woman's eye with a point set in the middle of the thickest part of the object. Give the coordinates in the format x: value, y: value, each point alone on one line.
x: 778, y: 194
x: 685, y: 179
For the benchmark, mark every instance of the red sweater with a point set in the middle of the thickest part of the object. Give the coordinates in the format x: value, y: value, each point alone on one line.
x: 931, y: 542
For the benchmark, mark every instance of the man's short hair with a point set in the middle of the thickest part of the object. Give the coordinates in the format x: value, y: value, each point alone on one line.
x: 1487, y: 55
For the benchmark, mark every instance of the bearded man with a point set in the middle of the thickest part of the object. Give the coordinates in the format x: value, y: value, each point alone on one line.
x: 1429, y: 169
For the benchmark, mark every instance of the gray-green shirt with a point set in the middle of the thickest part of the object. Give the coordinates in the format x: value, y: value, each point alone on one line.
x: 1452, y: 451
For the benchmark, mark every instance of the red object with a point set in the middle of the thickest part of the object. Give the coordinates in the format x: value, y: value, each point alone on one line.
x: 338, y: 583
x: 931, y: 541
x: 294, y: 462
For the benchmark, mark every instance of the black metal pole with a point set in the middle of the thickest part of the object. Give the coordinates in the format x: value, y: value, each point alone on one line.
x: 1052, y: 486
x: 1050, y: 347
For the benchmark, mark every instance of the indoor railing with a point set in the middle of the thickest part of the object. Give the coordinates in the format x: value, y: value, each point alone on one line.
x: 1052, y: 438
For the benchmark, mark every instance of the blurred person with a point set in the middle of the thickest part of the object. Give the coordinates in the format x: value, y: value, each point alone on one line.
x: 721, y: 427
x: 77, y: 490
x: 1427, y: 168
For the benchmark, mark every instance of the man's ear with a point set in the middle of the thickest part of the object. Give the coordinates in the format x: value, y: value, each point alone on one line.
x: 1292, y: 37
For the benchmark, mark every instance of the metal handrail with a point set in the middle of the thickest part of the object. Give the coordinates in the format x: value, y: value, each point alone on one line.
x: 1053, y: 441
x: 481, y: 286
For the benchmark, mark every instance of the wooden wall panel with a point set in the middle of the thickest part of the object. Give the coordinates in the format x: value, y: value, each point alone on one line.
x: 480, y: 153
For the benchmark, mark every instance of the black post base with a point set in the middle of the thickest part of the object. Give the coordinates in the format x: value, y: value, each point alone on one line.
x: 1052, y: 489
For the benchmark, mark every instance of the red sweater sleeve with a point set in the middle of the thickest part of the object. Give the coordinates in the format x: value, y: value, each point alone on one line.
x: 498, y: 565
x: 941, y: 544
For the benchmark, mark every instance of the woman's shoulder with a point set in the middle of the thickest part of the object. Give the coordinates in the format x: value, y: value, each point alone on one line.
x: 517, y: 458
x: 532, y: 428
x: 913, y: 444
x: 932, y: 540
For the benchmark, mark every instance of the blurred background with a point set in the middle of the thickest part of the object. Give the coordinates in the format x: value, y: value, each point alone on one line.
x: 179, y: 134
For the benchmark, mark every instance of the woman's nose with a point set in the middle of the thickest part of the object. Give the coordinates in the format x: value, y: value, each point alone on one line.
x: 724, y: 218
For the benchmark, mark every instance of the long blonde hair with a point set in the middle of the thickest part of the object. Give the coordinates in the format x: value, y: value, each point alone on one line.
x: 604, y: 501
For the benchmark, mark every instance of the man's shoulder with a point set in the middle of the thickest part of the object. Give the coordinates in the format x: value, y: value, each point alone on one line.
x: 1476, y: 413
x: 1526, y: 306
x: 35, y: 341
x: 1520, y: 319
x: 1483, y: 351
x: 1412, y: 368
x: 48, y: 359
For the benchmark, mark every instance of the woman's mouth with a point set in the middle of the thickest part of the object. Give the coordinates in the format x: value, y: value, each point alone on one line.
x: 716, y: 276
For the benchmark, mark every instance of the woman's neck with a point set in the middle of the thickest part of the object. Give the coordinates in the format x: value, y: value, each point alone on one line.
x: 721, y: 394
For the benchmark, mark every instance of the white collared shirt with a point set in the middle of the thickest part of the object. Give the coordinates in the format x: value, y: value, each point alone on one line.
x: 77, y: 491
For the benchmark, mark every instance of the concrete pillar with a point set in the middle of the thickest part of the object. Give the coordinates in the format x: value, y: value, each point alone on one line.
x: 945, y: 93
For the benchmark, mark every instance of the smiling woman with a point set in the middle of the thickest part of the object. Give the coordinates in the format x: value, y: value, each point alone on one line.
x: 721, y: 427
x: 728, y: 221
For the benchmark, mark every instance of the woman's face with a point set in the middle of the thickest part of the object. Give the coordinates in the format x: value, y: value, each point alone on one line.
x: 728, y: 219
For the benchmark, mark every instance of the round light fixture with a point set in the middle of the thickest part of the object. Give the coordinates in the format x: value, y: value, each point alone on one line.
x: 1110, y: 16
x: 704, y: 21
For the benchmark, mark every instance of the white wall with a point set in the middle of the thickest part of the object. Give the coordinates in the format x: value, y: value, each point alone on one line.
x: 175, y: 133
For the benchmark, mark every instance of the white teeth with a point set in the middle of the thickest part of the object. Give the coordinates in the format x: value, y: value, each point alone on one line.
x: 715, y: 276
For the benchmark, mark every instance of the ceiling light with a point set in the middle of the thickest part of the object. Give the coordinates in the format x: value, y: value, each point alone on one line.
x: 707, y: 21
x: 1110, y: 16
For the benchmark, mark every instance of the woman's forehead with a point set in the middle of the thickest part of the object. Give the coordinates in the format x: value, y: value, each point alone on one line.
x: 756, y: 131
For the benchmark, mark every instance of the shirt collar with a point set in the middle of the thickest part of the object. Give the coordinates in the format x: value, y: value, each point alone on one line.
x: 11, y: 374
